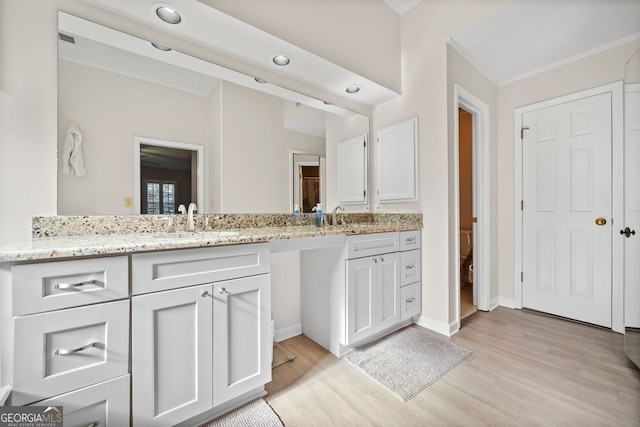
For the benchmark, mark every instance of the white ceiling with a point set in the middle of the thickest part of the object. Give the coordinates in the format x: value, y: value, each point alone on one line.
x: 401, y: 6
x: 530, y: 36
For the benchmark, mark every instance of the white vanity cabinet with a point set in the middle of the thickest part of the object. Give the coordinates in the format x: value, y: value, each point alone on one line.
x: 382, y: 283
x: 372, y: 283
x: 410, y: 274
x: 68, y: 337
x: 205, y: 341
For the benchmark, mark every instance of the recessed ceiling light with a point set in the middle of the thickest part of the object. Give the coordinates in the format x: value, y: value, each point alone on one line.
x: 259, y: 80
x: 281, y: 59
x: 168, y: 15
x: 353, y: 89
x: 160, y: 46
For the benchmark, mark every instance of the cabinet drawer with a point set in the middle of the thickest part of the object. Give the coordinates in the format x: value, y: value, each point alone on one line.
x: 410, y: 303
x: 372, y: 244
x: 63, y: 284
x: 410, y: 240
x: 99, y: 405
x: 159, y: 271
x: 409, y: 267
x: 65, y: 350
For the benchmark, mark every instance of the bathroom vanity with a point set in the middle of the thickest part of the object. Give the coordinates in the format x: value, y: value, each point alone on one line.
x: 158, y: 329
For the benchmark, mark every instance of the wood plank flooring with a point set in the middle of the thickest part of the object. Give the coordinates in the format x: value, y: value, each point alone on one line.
x: 526, y: 369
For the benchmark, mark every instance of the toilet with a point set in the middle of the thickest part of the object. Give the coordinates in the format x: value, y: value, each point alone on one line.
x: 466, y: 256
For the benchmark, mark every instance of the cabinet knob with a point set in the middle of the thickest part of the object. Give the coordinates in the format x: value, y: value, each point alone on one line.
x: 224, y: 291
x: 375, y: 260
x: 411, y: 266
x: 96, y: 423
x: 410, y: 300
x: 206, y: 294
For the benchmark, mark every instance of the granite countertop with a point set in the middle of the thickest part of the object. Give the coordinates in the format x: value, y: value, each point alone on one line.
x: 124, y: 243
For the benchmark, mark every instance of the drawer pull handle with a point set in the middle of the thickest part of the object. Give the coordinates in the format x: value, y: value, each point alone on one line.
x: 409, y: 267
x: 73, y: 286
x: 410, y: 239
x: 94, y: 424
x: 410, y: 300
x: 67, y: 351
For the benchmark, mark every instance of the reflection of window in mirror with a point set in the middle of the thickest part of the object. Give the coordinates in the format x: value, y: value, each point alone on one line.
x: 166, y: 175
x: 158, y: 197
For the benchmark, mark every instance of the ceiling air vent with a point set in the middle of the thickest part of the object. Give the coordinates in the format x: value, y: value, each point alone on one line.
x: 66, y: 38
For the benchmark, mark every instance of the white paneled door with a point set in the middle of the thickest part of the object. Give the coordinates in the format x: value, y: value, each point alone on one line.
x: 567, y: 207
x: 630, y: 230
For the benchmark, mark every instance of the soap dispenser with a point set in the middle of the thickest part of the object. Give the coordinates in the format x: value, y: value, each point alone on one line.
x: 318, y: 219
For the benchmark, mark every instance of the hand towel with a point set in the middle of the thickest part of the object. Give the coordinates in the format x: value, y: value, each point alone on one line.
x: 72, y: 159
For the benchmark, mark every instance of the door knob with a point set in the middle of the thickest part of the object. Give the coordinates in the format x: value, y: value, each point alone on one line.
x: 628, y: 232
x: 601, y: 221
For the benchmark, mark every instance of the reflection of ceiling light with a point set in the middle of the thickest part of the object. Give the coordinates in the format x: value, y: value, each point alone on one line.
x: 168, y: 15
x: 353, y: 89
x: 259, y: 80
x: 160, y: 47
x: 281, y: 59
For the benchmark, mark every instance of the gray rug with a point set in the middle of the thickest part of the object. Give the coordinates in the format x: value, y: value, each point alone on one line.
x: 256, y: 413
x: 407, y: 361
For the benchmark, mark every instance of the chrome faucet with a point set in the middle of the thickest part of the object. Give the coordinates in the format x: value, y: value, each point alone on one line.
x: 190, y: 225
x: 334, y: 215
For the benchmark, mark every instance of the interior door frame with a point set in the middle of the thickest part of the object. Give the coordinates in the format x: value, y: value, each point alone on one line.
x: 617, y: 183
x: 481, y: 198
x: 199, y: 149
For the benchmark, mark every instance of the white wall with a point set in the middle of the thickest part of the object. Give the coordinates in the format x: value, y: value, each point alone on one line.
x: 110, y: 109
x: 425, y: 30
x: 255, y: 151
x: 595, y: 70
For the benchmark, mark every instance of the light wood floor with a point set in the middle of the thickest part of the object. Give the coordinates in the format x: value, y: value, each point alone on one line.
x: 466, y: 301
x: 526, y: 369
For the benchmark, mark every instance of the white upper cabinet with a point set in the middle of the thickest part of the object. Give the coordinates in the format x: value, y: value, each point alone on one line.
x: 352, y: 169
x: 398, y: 162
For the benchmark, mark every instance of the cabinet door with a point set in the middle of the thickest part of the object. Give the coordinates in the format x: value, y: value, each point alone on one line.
x: 171, y: 355
x: 352, y: 170
x: 361, y: 298
x: 388, y: 284
x: 242, y: 342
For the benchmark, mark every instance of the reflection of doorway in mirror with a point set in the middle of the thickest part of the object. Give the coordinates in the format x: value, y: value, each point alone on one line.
x: 307, y: 180
x: 309, y: 187
x: 166, y: 174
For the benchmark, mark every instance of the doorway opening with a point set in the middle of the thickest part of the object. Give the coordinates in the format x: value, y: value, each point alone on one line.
x: 307, y: 180
x: 465, y: 180
x: 166, y: 175
x: 471, y: 236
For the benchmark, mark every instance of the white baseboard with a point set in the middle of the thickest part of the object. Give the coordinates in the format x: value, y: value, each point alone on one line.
x: 506, y: 302
x: 436, y: 325
x: 288, y: 332
x: 494, y: 303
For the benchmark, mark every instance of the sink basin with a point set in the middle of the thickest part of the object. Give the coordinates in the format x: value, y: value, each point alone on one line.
x: 183, y: 235
x: 221, y: 233
x: 194, y: 234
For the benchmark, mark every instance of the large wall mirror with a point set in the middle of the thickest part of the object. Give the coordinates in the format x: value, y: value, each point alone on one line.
x: 119, y: 89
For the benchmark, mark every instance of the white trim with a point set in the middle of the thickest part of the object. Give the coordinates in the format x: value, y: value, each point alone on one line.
x: 574, y: 58
x: 4, y: 394
x: 435, y: 325
x: 137, y: 140
x: 617, y: 156
x: 471, y: 60
x: 481, y: 200
x: 288, y: 332
x: 506, y: 302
